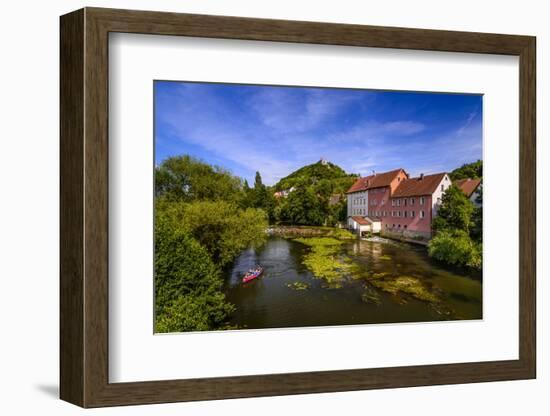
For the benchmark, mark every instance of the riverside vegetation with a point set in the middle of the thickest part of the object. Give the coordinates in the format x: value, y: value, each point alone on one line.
x: 206, y: 218
x: 458, y: 226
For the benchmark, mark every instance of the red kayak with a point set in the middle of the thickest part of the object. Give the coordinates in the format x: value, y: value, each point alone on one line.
x: 252, y: 274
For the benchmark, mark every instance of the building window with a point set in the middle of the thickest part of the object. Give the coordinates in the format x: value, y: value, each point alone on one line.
x: 405, y: 202
x: 412, y: 214
x: 398, y: 225
x: 442, y: 188
x: 398, y: 202
x: 393, y: 202
x: 412, y: 201
x: 405, y: 214
x: 422, y: 214
x: 421, y: 200
x: 405, y: 226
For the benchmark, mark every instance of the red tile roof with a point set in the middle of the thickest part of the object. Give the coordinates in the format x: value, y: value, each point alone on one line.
x: 361, y: 220
x: 468, y: 186
x: 374, y: 181
x: 425, y: 185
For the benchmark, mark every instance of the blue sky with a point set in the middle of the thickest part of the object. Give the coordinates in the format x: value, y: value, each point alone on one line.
x: 276, y: 130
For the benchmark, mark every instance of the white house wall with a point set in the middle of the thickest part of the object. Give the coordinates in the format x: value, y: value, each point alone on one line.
x: 438, y: 193
x: 358, y: 203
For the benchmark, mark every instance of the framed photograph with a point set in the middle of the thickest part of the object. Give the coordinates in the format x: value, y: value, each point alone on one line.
x: 255, y: 207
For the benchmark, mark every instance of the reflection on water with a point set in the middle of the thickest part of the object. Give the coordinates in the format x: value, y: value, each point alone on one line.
x: 392, y: 282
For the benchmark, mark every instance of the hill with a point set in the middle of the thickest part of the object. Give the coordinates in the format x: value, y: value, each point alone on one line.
x: 314, y: 173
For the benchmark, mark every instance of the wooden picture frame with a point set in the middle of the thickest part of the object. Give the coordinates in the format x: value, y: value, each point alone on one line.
x: 84, y: 207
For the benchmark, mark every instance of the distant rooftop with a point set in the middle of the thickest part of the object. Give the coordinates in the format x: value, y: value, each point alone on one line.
x: 468, y: 186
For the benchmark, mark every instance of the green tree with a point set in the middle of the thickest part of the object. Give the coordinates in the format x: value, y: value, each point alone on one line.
x: 258, y: 184
x: 468, y: 170
x: 221, y: 227
x: 455, y: 212
x: 187, y: 283
x: 476, y: 231
x: 184, y: 178
x: 457, y: 248
x: 302, y: 207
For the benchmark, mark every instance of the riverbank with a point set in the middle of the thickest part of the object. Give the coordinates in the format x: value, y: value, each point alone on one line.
x: 299, y: 231
x: 304, y: 231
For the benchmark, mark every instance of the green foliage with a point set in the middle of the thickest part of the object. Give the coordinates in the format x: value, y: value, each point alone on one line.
x: 468, y: 170
x: 302, y: 207
x: 221, y: 227
x: 202, y: 222
x: 187, y: 283
x: 458, y: 231
x: 457, y: 248
x: 341, y: 234
x: 260, y: 196
x: 258, y: 181
x: 311, y: 174
x: 476, y: 231
x: 455, y: 212
x: 184, y: 178
x: 194, y: 313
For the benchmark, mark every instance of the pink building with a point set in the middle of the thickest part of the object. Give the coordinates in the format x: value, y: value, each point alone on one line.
x: 397, y: 204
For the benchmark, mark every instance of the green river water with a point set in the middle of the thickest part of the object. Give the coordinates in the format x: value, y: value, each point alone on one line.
x: 379, y: 282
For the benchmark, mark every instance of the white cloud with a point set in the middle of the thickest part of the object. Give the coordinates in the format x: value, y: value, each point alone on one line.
x: 286, y: 130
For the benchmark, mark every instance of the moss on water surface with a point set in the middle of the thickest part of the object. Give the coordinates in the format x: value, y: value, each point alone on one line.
x: 298, y: 285
x: 407, y: 285
x: 325, y: 260
x: 318, y: 242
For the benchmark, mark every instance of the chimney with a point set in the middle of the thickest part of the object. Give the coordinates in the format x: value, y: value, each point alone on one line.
x: 421, y: 176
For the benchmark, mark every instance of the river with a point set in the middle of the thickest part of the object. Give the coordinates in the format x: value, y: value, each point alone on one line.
x: 392, y: 282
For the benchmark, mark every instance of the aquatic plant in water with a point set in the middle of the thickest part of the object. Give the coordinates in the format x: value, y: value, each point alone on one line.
x: 325, y: 260
x: 407, y: 285
x: 298, y: 285
x: 371, y: 296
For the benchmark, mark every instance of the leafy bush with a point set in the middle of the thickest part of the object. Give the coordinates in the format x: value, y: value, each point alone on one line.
x: 457, y: 248
x: 187, y: 283
x: 184, y: 178
x: 222, y: 228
